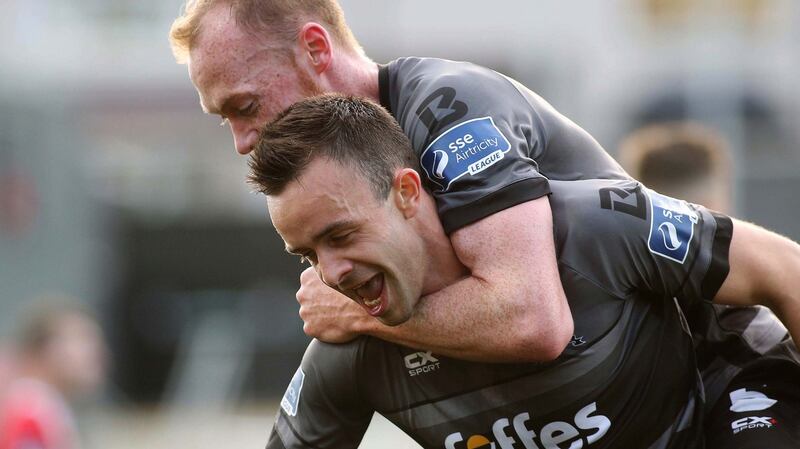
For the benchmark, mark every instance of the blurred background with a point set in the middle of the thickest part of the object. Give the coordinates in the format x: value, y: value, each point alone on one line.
x: 116, y: 189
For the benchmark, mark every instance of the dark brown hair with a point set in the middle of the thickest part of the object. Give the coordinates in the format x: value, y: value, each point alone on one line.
x: 349, y: 130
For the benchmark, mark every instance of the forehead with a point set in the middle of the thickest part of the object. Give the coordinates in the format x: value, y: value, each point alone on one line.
x: 223, y: 53
x: 219, y: 35
x: 325, y: 193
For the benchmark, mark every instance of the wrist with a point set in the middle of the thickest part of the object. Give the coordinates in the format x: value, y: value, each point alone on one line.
x: 364, y: 325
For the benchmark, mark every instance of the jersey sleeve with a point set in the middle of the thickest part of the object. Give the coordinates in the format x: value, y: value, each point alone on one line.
x: 632, y: 239
x: 688, y: 246
x: 475, y: 134
x: 322, y: 407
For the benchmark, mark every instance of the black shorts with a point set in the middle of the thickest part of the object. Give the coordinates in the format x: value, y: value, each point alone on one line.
x: 760, y: 409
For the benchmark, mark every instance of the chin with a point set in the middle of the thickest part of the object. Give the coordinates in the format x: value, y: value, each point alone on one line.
x: 394, y: 320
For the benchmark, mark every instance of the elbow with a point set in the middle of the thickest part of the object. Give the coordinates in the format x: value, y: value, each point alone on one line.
x: 546, y: 342
x: 553, y: 344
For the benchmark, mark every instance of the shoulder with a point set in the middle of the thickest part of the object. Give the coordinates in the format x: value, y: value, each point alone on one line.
x: 601, y: 228
x: 339, y: 357
x: 429, y: 69
x: 598, y: 203
x: 430, y: 97
x: 621, y: 211
x: 425, y: 79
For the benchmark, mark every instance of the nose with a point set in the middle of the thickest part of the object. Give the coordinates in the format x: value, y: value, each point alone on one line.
x: 333, y: 269
x: 244, y: 136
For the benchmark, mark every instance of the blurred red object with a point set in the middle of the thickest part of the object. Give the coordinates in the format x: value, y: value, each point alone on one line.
x: 33, y: 414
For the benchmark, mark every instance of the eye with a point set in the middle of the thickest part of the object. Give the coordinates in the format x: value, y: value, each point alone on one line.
x: 248, y: 111
x: 338, y: 239
x: 309, y: 258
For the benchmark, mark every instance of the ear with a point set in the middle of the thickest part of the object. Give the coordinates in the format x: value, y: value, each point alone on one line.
x: 315, y: 43
x: 406, y: 189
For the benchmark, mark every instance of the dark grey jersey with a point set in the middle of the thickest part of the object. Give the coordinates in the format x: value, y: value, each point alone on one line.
x: 629, y: 260
x: 485, y: 142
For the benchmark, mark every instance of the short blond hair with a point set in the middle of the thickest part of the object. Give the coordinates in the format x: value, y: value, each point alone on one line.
x: 282, y: 17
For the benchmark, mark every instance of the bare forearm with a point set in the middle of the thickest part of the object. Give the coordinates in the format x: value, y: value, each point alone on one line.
x: 790, y: 317
x: 511, y: 308
x: 765, y: 270
x: 474, y: 320
x: 786, y: 302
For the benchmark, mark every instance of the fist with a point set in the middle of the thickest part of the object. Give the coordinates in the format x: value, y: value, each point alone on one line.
x: 327, y: 314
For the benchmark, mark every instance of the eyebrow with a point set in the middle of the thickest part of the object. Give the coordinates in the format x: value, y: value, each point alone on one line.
x: 333, y: 227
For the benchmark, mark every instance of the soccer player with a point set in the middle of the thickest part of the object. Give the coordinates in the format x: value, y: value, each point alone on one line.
x: 344, y: 193
x: 248, y: 59
x: 744, y: 354
x: 485, y: 142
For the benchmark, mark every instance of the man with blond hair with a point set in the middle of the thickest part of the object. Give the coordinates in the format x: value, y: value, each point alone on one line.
x: 484, y: 142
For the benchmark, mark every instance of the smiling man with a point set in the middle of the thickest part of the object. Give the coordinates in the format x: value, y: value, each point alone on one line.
x: 484, y: 142
x: 344, y: 192
x: 487, y: 145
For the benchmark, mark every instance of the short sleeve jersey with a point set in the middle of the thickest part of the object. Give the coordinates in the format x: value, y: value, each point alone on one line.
x: 630, y: 260
x: 485, y: 142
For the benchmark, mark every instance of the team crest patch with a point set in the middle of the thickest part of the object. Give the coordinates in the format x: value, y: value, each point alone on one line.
x: 671, y: 227
x: 292, y: 396
x: 465, y: 149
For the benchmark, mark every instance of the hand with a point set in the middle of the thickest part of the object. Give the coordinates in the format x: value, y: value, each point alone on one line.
x: 328, y: 315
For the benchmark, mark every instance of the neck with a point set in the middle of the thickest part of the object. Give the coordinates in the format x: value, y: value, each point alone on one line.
x: 355, y: 74
x: 443, y: 266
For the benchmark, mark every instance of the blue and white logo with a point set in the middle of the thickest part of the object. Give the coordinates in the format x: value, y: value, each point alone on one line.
x: 292, y: 396
x: 440, y: 160
x: 671, y: 227
x: 465, y: 149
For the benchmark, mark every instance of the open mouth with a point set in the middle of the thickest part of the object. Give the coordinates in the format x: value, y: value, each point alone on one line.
x: 370, y: 295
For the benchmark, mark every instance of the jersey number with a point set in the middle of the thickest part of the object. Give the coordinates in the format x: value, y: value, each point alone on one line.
x: 634, y: 208
x: 447, y: 102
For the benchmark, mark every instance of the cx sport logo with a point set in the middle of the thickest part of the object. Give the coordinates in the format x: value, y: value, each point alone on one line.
x: 586, y: 428
x: 753, y: 422
x: 421, y: 362
x: 743, y: 400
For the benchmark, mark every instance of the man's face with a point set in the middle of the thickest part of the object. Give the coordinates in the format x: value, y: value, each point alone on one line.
x: 244, y: 78
x: 363, y: 247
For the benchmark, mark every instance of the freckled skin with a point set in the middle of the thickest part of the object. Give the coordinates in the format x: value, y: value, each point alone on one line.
x: 412, y: 253
x: 226, y: 61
